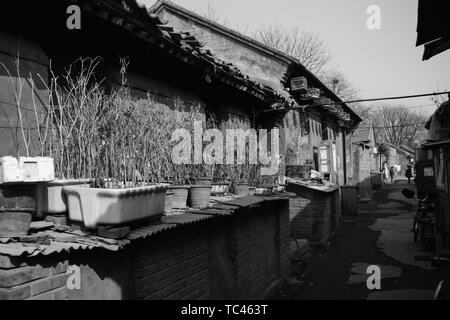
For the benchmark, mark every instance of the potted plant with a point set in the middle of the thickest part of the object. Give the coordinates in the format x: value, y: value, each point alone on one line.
x: 180, y: 188
x: 126, y: 153
x: 242, y: 186
x: 309, y: 165
x: 221, y: 181
x: 74, y: 110
x: 201, y: 175
x: 27, y: 168
x: 266, y: 185
x: 200, y: 191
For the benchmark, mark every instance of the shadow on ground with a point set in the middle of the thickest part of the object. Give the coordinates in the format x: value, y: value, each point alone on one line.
x: 379, y: 235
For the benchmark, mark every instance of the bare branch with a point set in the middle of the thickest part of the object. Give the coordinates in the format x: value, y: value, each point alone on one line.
x: 302, y: 45
x: 397, y: 125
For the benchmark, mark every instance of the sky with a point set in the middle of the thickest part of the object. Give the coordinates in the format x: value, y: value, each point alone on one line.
x: 379, y: 63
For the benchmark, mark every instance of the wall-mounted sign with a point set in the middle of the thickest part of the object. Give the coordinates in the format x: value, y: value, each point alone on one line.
x: 324, y: 159
x: 299, y: 84
x: 314, y: 93
x: 428, y: 172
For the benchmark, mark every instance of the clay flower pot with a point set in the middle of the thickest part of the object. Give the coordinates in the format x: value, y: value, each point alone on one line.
x: 201, y: 181
x: 219, y: 189
x: 168, y: 201
x: 199, y: 196
x: 14, y: 224
x: 242, y: 189
x: 305, y: 175
x: 264, y: 190
x: 180, y: 196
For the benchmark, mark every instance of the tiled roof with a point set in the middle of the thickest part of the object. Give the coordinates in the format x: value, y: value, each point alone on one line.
x: 362, y: 133
x: 433, y: 27
x: 149, y: 27
x: 295, y: 63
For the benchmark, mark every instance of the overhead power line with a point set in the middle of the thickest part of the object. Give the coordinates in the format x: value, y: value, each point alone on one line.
x: 412, y: 107
x: 362, y: 100
x: 399, y: 126
x: 395, y: 97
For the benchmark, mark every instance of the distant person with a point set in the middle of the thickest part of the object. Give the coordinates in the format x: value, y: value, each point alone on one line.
x: 408, y: 173
x: 391, y: 173
x: 386, y: 172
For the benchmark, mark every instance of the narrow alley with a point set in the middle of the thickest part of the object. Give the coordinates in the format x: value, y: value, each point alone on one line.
x: 379, y: 235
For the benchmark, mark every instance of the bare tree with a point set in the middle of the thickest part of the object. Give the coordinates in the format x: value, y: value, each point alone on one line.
x: 311, y: 52
x: 341, y: 86
x: 210, y: 12
x: 397, y: 125
x: 300, y: 44
x: 361, y: 110
x: 303, y: 45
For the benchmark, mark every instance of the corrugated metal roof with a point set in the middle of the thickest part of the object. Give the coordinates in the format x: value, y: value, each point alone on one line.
x: 13, y: 247
x: 186, y: 218
x: 214, y: 212
x: 31, y: 249
x: 247, y: 201
x: 149, y: 230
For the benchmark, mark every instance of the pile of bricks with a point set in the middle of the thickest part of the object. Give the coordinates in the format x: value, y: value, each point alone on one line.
x: 36, y: 282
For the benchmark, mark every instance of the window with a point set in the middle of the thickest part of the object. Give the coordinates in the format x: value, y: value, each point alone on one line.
x: 324, y: 132
x: 439, y: 165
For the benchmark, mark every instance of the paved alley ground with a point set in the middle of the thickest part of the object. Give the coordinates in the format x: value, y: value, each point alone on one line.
x: 379, y: 235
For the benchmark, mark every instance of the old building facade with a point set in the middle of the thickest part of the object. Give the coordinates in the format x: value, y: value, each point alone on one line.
x: 305, y: 129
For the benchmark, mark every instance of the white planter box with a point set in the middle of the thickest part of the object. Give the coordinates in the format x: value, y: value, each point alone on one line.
x: 26, y: 169
x: 51, y: 198
x: 95, y: 207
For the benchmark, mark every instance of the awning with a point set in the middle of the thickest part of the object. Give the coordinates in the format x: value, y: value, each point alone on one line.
x: 435, y: 144
x: 433, y: 27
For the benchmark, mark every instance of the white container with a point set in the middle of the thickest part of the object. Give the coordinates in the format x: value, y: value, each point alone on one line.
x: 26, y: 169
x: 50, y: 197
x: 95, y: 207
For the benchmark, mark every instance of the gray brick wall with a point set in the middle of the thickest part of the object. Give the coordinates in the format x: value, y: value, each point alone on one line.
x: 314, y: 215
x: 34, y: 282
x: 175, y: 264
